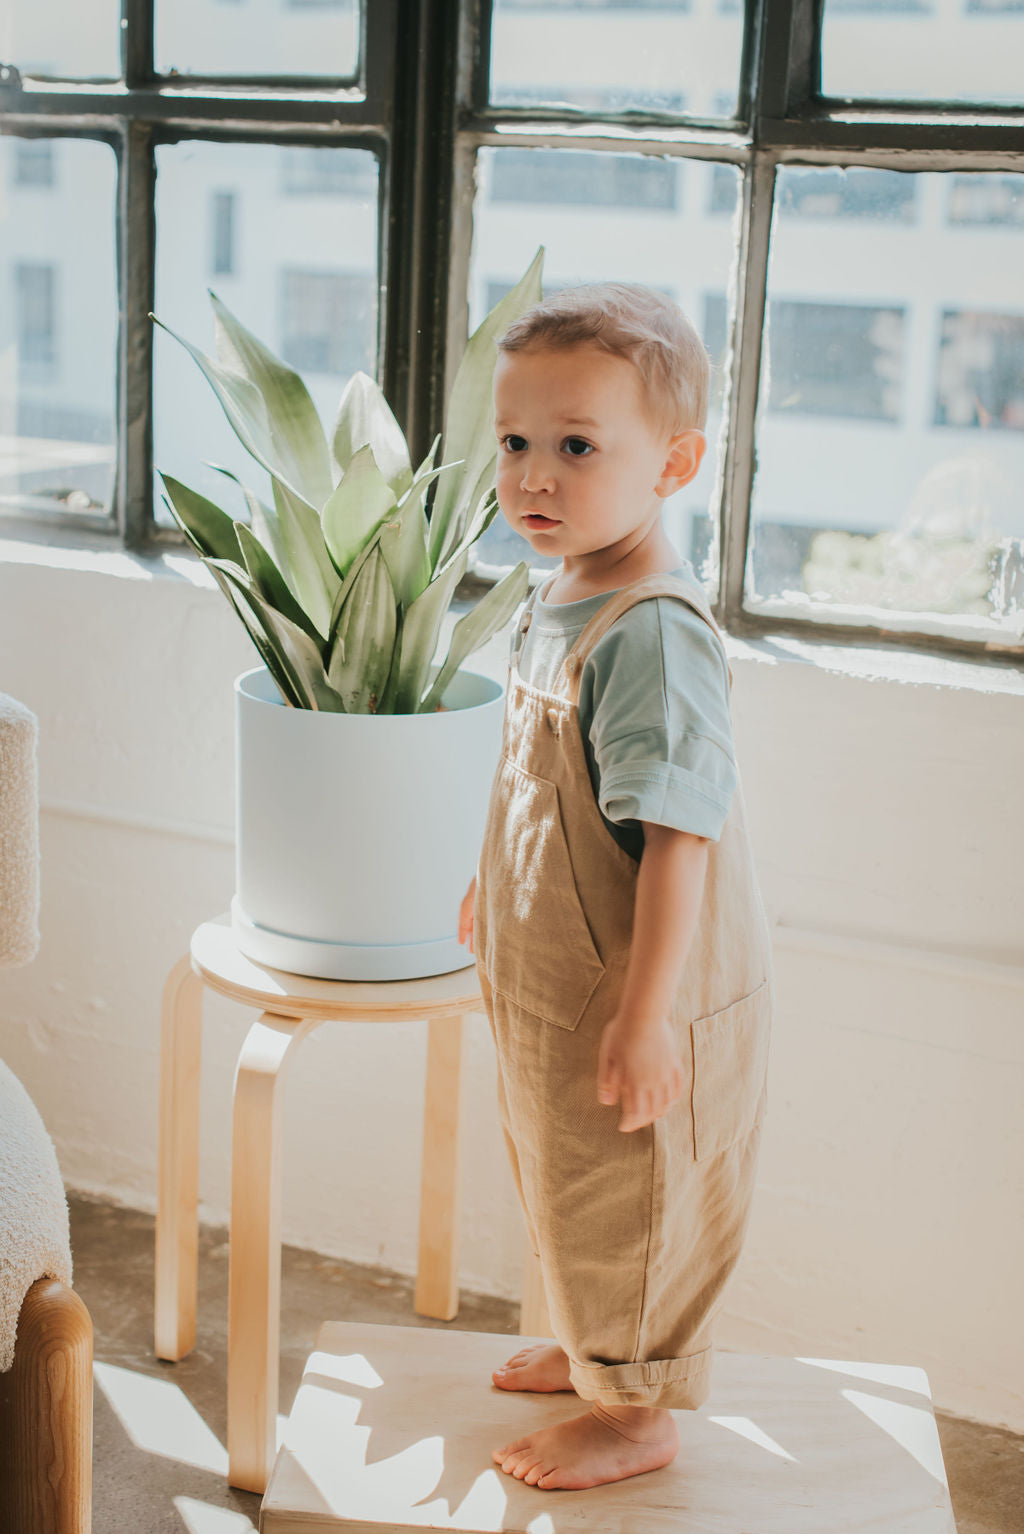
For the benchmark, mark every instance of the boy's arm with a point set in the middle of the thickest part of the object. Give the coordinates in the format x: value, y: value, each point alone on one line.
x: 639, y: 1061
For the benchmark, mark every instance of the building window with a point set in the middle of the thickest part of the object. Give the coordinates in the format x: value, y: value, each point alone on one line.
x: 34, y: 162
x: 835, y: 359
x: 887, y: 195
x: 981, y: 371
x: 987, y: 199
x: 327, y: 321
x: 594, y: 180
x: 328, y: 173
x: 222, y: 228
x: 35, y: 308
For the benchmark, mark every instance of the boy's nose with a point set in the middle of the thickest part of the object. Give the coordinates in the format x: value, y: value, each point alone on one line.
x: 536, y: 477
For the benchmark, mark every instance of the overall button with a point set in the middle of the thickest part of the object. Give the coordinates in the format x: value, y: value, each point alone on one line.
x: 572, y: 664
x: 554, y: 720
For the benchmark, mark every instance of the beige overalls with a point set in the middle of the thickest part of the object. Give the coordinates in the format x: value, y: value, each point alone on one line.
x: 636, y: 1233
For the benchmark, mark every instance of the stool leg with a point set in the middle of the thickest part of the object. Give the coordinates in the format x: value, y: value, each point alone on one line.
x: 254, y: 1277
x: 534, y: 1320
x: 177, y: 1207
x: 437, y: 1271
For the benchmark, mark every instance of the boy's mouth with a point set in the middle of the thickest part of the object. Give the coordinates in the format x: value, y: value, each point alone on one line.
x: 537, y: 522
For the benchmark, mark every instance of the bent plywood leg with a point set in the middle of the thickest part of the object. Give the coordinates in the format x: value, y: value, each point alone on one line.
x: 177, y: 1207
x: 254, y: 1282
x: 437, y: 1271
x: 534, y: 1320
x: 46, y: 1416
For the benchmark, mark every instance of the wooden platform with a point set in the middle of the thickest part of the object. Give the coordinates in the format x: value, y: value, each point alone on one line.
x: 393, y: 1427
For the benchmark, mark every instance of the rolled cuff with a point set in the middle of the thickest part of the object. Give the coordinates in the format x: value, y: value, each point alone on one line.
x: 680, y: 1384
x: 666, y: 795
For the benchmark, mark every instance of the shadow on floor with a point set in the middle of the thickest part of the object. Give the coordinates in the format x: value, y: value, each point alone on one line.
x: 160, y: 1428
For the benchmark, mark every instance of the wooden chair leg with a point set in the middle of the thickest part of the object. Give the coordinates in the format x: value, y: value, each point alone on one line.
x: 534, y: 1320
x: 437, y: 1271
x: 46, y: 1417
x: 254, y: 1280
x: 177, y: 1208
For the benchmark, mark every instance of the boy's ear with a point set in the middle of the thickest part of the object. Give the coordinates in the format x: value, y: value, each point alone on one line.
x: 685, y: 452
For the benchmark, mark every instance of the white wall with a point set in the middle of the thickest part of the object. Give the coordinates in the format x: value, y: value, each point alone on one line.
x: 883, y: 797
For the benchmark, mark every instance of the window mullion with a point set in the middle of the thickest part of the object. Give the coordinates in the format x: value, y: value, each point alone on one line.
x: 136, y: 244
x: 788, y: 67
x: 740, y: 452
x: 137, y: 42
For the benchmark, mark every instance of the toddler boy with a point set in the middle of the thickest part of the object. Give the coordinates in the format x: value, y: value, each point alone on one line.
x: 621, y: 942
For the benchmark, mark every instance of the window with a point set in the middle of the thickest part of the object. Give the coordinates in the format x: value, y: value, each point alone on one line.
x: 834, y: 359
x: 34, y: 162
x: 833, y: 190
x: 586, y: 180
x: 981, y: 371
x: 327, y: 321
x: 222, y: 224
x: 35, y: 288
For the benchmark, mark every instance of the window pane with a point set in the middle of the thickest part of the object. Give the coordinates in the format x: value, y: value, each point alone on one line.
x: 617, y: 55
x: 72, y: 39
x: 890, y: 446
x: 298, y: 268
x: 610, y: 217
x: 924, y: 50
x: 250, y: 38
x: 58, y: 326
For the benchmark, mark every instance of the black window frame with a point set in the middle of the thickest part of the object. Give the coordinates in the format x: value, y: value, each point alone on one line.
x: 420, y: 103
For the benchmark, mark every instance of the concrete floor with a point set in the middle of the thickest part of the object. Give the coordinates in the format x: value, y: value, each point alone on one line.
x: 160, y: 1428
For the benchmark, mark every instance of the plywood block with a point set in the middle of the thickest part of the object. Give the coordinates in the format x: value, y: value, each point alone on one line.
x: 393, y: 1429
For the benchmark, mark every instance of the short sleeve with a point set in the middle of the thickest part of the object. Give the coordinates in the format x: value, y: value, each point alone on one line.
x: 660, y: 732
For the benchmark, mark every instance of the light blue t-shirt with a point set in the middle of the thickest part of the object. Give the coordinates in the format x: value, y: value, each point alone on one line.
x: 653, y: 711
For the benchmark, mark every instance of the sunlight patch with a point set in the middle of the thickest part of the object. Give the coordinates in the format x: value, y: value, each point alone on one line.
x: 201, y: 1518
x: 902, y: 1376
x: 160, y: 1419
x: 912, y: 1427
x: 747, y: 1429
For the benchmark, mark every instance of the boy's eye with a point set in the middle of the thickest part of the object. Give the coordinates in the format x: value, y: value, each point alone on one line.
x: 577, y: 447
x: 513, y: 443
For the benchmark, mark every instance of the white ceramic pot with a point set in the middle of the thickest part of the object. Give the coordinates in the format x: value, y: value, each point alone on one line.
x: 358, y: 835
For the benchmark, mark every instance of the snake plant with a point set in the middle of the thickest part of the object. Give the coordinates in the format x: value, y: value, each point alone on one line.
x: 343, y: 579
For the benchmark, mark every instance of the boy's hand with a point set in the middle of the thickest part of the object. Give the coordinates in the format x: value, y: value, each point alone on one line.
x: 466, y: 916
x: 639, y: 1067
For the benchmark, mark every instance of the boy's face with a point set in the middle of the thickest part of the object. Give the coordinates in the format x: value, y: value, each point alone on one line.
x: 582, y: 463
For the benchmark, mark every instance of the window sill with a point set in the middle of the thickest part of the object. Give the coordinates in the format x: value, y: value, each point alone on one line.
x: 95, y: 553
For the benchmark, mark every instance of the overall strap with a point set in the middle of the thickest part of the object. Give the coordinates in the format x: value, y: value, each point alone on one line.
x: 567, y: 684
x: 525, y: 619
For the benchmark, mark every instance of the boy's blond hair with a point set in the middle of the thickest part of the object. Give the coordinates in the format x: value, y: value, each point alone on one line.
x: 647, y: 328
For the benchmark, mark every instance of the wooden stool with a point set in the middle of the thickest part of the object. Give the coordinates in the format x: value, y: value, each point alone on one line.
x: 292, y: 1007
x: 392, y: 1430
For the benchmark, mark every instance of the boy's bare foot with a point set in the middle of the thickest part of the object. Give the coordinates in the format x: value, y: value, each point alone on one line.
x: 542, y: 1366
x: 609, y: 1443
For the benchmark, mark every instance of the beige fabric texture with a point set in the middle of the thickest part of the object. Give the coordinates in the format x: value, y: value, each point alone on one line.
x: 19, y: 834
x: 636, y: 1233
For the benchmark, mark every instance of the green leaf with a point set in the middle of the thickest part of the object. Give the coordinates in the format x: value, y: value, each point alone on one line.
x: 364, y: 641
x: 297, y: 436
x: 288, y: 684
x: 469, y: 420
x: 403, y: 543
x: 356, y: 508
x: 313, y: 576
x: 269, y: 581
x: 476, y: 627
x: 420, y: 632
x: 365, y: 419
x: 207, y: 527
x: 296, y: 652
x: 262, y: 520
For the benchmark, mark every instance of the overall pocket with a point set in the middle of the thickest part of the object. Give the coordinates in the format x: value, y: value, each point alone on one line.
x: 539, y: 951
x: 730, y: 1062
